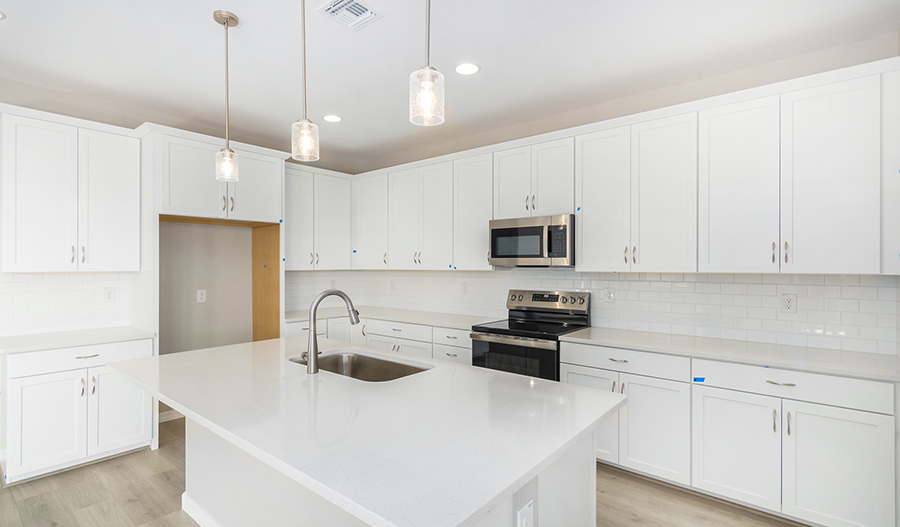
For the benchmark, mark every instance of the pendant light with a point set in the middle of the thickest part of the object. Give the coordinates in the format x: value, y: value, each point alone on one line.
x: 426, y: 86
x: 304, y: 133
x: 226, y: 158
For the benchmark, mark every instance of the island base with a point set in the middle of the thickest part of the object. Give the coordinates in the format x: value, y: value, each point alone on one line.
x: 227, y: 487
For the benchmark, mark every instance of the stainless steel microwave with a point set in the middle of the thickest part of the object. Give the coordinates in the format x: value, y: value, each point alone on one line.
x: 545, y: 241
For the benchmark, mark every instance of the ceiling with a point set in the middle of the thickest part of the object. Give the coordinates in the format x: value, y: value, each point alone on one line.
x: 538, y: 59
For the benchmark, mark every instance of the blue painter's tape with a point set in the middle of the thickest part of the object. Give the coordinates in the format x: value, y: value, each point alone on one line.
x: 699, y: 379
x: 280, y: 221
x: 265, y: 266
x: 282, y: 259
x: 579, y: 208
x: 450, y: 266
x: 354, y: 252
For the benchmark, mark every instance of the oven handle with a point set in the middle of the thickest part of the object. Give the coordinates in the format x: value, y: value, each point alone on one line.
x: 514, y: 341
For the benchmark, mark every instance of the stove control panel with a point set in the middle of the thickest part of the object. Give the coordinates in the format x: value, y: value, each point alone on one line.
x: 549, y: 301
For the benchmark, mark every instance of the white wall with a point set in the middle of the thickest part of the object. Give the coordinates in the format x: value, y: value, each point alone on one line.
x: 218, y: 260
x: 857, y: 313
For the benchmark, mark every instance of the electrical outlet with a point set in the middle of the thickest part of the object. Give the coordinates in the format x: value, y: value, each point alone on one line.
x: 525, y: 515
x: 788, y: 303
x: 110, y: 294
x: 201, y: 296
x: 465, y: 288
x: 609, y: 295
x: 392, y: 285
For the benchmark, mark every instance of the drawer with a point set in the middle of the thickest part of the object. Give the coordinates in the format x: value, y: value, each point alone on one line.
x: 627, y: 361
x: 295, y: 329
x: 452, y: 337
x: 64, y: 359
x: 400, y: 330
x: 871, y: 396
x: 452, y: 353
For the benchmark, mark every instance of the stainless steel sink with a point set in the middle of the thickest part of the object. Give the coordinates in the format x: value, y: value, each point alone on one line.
x: 362, y: 367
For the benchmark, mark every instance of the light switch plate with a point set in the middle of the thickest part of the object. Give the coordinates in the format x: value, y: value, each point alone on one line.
x: 788, y: 303
x: 525, y: 515
x: 201, y: 296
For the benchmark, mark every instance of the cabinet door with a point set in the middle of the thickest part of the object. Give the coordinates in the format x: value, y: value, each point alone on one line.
x: 436, y: 232
x: 47, y: 421
x: 405, y: 218
x: 119, y: 413
x: 603, y: 200
x: 553, y: 177
x: 830, y: 178
x: 838, y: 466
x: 109, y: 202
x: 299, y: 249
x: 737, y: 445
x: 257, y: 194
x: 473, y: 207
x: 655, y: 427
x: 606, y: 438
x: 339, y: 329
x: 38, y: 195
x: 512, y: 183
x: 739, y: 188
x: 415, y: 348
x: 333, y: 222
x: 664, y: 195
x: 188, y: 179
x: 890, y: 173
x: 370, y: 223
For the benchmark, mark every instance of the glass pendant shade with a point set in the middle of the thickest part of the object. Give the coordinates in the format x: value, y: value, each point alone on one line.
x: 227, y: 165
x: 426, y: 97
x: 305, y: 141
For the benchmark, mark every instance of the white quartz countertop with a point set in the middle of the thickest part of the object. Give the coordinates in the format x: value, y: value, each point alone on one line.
x: 440, y: 448
x: 71, y: 339
x: 870, y: 366
x: 425, y: 318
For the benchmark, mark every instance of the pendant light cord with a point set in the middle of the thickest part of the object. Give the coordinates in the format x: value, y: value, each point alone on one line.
x: 227, y: 96
x: 303, y: 39
x: 428, y: 32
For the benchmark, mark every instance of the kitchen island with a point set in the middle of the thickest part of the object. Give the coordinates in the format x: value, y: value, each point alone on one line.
x: 454, y: 445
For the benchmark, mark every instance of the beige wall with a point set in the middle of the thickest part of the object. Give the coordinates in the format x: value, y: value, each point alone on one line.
x: 213, y: 258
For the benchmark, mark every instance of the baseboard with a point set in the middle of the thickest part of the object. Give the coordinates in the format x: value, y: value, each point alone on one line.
x: 169, y: 415
x: 196, y: 512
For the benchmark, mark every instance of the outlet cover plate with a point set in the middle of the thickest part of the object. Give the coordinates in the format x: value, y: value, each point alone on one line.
x: 109, y: 294
x: 201, y: 296
x: 525, y: 515
x: 788, y: 303
x: 609, y: 295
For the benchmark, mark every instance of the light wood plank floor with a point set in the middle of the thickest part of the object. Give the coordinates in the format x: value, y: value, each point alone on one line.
x: 144, y: 490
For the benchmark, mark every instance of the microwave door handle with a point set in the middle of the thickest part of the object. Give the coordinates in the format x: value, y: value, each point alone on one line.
x: 549, y: 238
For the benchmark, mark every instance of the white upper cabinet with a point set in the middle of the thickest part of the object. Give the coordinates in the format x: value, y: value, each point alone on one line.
x: 257, y: 194
x: 739, y: 188
x: 890, y: 173
x: 332, y: 223
x: 603, y: 201
x: 70, y: 198
x: 664, y: 195
x: 472, y: 212
x: 421, y: 218
x: 299, y: 245
x: 830, y: 178
x: 370, y: 223
x: 537, y: 180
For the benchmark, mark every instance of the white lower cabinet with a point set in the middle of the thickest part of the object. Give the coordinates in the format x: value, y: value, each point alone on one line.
x: 119, y: 413
x: 655, y: 427
x: 838, y: 466
x: 606, y: 438
x: 405, y: 346
x: 301, y: 329
x: 737, y: 445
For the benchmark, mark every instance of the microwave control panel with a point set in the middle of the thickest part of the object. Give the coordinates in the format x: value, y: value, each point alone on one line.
x: 558, y: 243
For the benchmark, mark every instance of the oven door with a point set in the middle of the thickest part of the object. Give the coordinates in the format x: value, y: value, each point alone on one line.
x: 533, y: 357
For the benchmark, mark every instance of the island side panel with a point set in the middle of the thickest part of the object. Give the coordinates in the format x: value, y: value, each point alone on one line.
x: 227, y: 487
x: 567, y: 489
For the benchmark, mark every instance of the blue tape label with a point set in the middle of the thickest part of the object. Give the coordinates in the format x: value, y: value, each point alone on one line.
x: 699, y: 379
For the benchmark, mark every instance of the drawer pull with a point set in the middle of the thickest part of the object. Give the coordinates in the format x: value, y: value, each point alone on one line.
x: 451, y: 337
x: 88, y: 356
x: 452, y: 355
x: 781, y: 384
x: 618, y: 360
x: 396, y: 329
x: 774, y: 417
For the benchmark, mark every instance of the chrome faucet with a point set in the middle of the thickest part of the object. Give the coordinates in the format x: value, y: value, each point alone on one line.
x: 312, y: 351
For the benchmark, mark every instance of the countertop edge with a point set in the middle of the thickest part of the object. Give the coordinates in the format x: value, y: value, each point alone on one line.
x: 116, y: 334
x: 390, y: 314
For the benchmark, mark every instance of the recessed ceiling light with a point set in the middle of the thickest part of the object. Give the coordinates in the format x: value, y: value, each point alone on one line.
x: 467, y: 69
x: 332, y: 118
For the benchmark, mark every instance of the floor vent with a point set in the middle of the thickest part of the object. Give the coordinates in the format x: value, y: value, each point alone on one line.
x: 351, y: 14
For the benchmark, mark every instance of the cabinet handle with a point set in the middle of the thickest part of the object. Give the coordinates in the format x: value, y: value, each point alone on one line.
x: 489, y: 257
x: 774, y: 247
x: 614, y: 387
x: 785, y: 252
x: 82, y: 254
x: 774, y: 417
x: 396, y: 329
x: 450, y: 337
x: 634, y: 254
x: 311, y: 258
x: 384, y: 259
x: 452, y: 355
x: 88, y: 356
x: 781, y: 384
x: 414, y: 258
x: 364, y: 330
x: 532, y: 202
x: 93, y: 385
x: 82, y: 387
x: 305, y: 329
x: 626, y: 254
x: 73, y: 254
x: 526, y: 201
x: 789, y: 423
x: 317, y: 258
x: 622, y: 387
x: 232, y: 204
x: 224, y: 202
x: 618, y: 360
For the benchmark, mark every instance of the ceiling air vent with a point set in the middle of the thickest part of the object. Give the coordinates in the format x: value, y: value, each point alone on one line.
x: 351, y: 14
